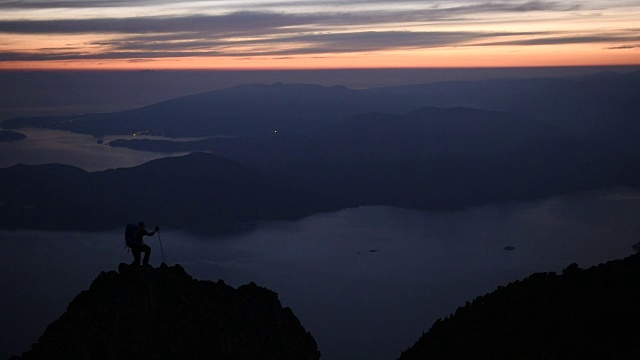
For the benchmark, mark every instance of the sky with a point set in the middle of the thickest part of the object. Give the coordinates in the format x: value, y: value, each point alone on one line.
x: 316, y: 34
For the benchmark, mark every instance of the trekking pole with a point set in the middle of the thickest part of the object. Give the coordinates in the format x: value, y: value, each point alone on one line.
x: 161, y: 250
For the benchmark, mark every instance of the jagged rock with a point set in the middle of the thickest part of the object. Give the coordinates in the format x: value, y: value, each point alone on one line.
x: 163, y: 313
x: 580, y: 314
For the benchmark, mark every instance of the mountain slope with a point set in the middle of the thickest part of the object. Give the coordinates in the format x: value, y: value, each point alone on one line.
x: 601, y: 107
x: 437, y: 158
x: 422, y: 133
x: 197, y: 192
x: 243, y: 110
x: 429, y: 132
x: 145, y: 313
x: 430, y: 158
x: 581, y: 314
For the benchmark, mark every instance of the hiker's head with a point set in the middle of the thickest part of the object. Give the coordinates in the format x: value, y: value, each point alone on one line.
x: 141, y: 224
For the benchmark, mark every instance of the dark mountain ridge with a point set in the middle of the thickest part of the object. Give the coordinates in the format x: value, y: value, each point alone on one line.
x: 163, y: 313
x: 430, y: 131
x: 603, y: 108
x: 422, y: 133
x: 431, y: 159
x: 197, y: 192
x: 254, y: 109
x: 579, y: 314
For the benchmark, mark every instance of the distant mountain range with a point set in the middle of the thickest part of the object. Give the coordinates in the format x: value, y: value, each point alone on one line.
x: 431, y: 158
x: 603, y: 108
x: 247, y: 110
x: 423, y: 133
x: 199, y: 192
x: 288, y: 151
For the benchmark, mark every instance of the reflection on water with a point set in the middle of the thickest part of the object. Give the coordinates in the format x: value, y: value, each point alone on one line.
x: 43, y: 146
x: 366, y: 282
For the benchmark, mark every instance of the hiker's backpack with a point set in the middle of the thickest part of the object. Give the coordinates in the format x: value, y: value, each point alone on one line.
x: 131, y: 235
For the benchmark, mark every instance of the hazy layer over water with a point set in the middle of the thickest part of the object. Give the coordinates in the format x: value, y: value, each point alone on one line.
x: 43, y: 146
x: 366, y: 282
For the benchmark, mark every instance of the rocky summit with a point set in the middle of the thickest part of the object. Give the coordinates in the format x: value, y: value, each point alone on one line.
x: 579, y: 314
x: 163, y: 313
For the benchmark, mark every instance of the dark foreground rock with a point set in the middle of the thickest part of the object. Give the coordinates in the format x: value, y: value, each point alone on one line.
x: 580, y: 314
x: 163, y: 313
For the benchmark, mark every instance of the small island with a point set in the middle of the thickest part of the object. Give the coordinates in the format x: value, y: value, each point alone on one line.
x: 11, y: 136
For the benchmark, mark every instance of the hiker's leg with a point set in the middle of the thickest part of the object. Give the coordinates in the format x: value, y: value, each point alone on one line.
x: 147, y: 252
x: 135, y: 250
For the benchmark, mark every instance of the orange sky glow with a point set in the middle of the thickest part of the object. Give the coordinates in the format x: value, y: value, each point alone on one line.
x: 325, y: 34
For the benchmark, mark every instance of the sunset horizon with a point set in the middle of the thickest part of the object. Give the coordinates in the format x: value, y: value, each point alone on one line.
x: 304, y: 35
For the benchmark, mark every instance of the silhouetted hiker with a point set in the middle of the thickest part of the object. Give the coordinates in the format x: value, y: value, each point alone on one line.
x: 137, y: 245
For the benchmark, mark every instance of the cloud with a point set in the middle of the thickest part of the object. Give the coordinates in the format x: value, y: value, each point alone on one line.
x: 242, y: 22
x: 303, y: 44
x: 253, y: 33
x: 73, y: 4
x: 624, y: 47
x: 518, y: 7
x: 477, y: 5
x: 261, y: 22
x: 390, y: 40
x: 326, y: 15
x: 560, y: 38
x: 287, y: 28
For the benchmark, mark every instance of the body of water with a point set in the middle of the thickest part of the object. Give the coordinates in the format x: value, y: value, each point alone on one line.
x: 44, y: 146
x: 365, y: 282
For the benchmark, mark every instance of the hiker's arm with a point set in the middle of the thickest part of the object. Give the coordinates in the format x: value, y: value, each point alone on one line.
x: 153, y: 232
x: 146, y: 233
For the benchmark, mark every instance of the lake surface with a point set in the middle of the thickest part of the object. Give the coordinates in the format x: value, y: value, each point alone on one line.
x: 365, y: 282
x: 44, y: 146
